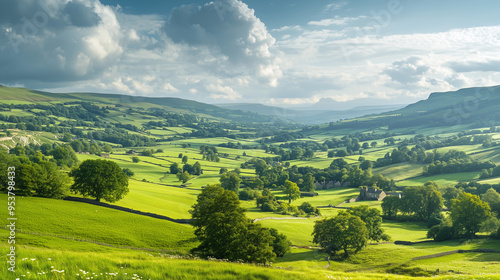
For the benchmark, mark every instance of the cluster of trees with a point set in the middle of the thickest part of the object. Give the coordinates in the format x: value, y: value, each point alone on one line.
x: 490, y: 172
x: 457, y: 166
x: 438, y: 163
x: 469, y: 215
x: 225, y: 233
x: 295, y: 153
x: 209, y: 153
x: 187, y: 170
x: 418, y: 203
x: 349, y: 230
x: 34, y: 175
x: 120, y: 136
x: 305, y: 177
x: 62, y: 155
x: 352, y: 142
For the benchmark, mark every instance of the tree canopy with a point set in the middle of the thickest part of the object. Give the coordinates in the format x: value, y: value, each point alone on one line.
x: 225, y: 232
x: 291, y: 190
x: 101, y: 179
x: 467, y: 214
x: 342, y: 232
x: 230, y: 181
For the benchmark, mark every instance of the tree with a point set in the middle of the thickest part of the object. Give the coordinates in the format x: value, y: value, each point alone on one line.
x: 366, y: 164
x: 308, y: 184
x: 174, y: 168
x: 423, y: 201
x: 390, y: 141
x: 342, y: 232
x: 197, y: 168
x: 390, y: 206
x: 64, y: 155
x: 102, y: 179
x: 184, y: 159
x: 224, y: 231
x: 281, y: 245
x: 230, y: 181
x: 331, y: 154
x: 128, y: 172
x: 135, y: 159
x: 372, y: 219
x: 373, y: 144
x: 223, y: 170
x: 291, y: 190
x: 493, y: 198
x: 467, y: 214
x: 183, y: 176
x: 365, y: 145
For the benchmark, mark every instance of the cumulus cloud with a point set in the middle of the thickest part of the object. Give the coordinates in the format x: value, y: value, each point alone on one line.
x: 57, y: 41
x: 219, y: 91
x: 409, y: 70
x: 230, y: 31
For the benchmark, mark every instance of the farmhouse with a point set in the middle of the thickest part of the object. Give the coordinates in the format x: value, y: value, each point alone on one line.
x: 366, y: 193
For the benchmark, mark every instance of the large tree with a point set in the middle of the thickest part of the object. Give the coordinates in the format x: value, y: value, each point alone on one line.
x: 230, y: 181
x: 308, y: 184
x: 423, y: 201
x: 224, y: 231
x: 372, y: 219
x: 101, y: 179
x: 291, y: 190
x: 493, y: 198
x: 467, y: 214
x: 342, y: 232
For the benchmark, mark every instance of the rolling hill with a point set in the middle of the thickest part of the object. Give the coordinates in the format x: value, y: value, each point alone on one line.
x: 307, y: 115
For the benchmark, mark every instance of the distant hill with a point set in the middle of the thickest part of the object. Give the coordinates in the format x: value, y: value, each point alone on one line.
x: 176, y: 105
x: 474, y: 107
x: 308, y: 116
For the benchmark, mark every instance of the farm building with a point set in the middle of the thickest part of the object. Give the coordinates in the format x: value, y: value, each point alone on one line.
x: 366, y: 193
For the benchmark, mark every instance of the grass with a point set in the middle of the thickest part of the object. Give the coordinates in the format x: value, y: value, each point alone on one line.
x: 95, y: 223
x: 169, y: 201
x: 442, y: 179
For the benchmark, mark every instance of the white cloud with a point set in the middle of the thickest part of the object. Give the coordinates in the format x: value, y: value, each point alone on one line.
x: 57, y: 41
x: 335, y: 6
x: 334, y: 21
x: 222, y: 92
x: 226, y: 30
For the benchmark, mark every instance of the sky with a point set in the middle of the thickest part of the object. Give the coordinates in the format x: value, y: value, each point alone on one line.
x: 276, y: 52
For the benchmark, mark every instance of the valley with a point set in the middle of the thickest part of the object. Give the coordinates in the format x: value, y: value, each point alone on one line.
x: 429, y: 141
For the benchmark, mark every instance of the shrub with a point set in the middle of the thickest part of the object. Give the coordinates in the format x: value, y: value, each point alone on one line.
x: 307, y: 207
x: 267, y: 207
x: 246, y: 194
x: 441, y: 233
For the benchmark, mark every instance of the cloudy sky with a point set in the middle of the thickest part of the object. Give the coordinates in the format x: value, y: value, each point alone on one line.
x: 277, y: 52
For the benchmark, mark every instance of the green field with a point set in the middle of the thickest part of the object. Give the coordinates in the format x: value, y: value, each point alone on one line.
x: 94, y: 223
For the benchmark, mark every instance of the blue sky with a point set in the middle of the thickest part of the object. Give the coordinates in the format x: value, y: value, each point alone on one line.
x: 284, y: 52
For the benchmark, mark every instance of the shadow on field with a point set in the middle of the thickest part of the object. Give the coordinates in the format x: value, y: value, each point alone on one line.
x: 125, y: 209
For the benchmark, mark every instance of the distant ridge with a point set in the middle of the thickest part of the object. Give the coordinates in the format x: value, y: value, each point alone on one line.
x: 310, y: 116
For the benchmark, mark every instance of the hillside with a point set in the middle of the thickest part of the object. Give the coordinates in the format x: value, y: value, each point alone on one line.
x: 471, y: 107
x: 148, y: 136
x: 11, y: 95
x: 307, y: 115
